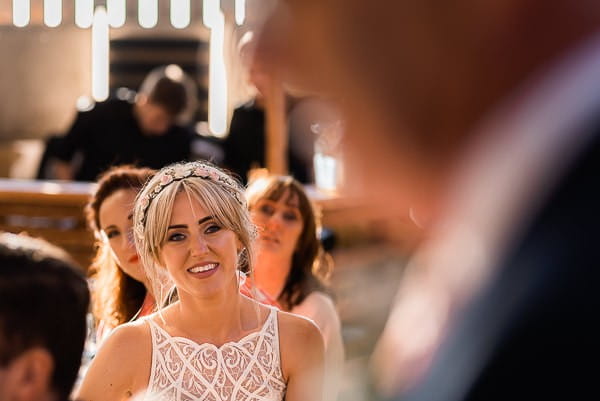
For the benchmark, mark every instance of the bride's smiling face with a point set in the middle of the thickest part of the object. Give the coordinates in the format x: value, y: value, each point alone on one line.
x: 200, y: 255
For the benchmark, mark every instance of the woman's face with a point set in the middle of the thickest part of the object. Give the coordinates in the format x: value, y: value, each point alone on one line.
x: 200, y: 255
x: 279, y: 224
x: 115, y: 217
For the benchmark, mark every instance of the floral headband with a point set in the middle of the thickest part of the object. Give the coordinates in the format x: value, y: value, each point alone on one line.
x: 178, y: 172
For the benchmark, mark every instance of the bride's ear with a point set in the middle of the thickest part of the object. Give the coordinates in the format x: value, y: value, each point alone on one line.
x: 239, y: 246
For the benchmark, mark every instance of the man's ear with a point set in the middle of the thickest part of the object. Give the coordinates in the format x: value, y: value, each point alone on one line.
x: 29, y: 375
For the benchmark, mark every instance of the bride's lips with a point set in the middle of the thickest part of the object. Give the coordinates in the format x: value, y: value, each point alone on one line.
x: 203, y: 270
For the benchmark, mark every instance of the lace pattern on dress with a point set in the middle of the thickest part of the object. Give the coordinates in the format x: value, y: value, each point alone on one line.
x: 244, y: 370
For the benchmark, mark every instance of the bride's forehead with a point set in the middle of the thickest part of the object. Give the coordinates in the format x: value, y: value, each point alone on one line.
x: 187, y: 204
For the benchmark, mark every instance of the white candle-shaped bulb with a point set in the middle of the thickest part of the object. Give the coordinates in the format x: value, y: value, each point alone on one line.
x: 100, y: 50
x: 148, y: 13
x: 21, y: 12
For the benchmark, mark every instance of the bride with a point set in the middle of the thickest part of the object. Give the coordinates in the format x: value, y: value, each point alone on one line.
x: 193, y: 233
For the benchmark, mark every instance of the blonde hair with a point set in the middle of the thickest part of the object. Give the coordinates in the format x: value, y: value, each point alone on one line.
x: 219, y: 193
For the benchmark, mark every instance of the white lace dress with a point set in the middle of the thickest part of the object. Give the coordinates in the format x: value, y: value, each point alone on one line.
x: 245, y: 370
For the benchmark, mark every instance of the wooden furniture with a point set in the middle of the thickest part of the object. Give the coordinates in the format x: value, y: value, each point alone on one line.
x: 52, y: 210
x: 358, y: 222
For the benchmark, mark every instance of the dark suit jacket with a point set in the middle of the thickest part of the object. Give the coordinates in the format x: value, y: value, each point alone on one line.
x: 244, y: 146
x: 533, y: 332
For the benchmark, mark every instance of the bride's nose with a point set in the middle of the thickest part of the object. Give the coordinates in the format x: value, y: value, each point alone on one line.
x: 198, y: 246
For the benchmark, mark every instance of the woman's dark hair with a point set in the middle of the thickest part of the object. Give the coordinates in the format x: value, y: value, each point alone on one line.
x: 116, y: 297
x: 310, y: 263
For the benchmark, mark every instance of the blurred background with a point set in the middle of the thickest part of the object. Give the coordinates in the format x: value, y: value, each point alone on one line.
x: 58, y: 57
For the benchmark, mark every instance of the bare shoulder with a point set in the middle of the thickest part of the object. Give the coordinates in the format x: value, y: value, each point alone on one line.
x: 291, y: 324
x: 121, y: 366
x: 318, y: 300
x: 302, y: 357
x: 319, y: 308
x: 131, y: 339
x: 130, y: 335
x: 297, y: 337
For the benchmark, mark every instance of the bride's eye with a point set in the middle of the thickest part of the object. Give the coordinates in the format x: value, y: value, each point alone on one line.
x: 176, y: 237
x: 213, y: 228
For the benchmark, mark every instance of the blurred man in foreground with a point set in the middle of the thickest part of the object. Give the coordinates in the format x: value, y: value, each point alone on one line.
x: 483, y: 117
x: 43, y: 304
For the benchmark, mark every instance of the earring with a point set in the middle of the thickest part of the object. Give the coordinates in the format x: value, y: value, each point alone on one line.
x: 241, y: 278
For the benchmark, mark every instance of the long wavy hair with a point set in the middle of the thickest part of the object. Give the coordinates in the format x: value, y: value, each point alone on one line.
x: 116, y: 297
x: 311, y: 265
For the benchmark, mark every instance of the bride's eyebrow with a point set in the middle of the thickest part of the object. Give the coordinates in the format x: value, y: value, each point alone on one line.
x: 177, y: 226
x: 205, y: 219
x: 202, y: 220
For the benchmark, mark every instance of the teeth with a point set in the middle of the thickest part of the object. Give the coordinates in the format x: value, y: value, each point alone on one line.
x: 198, y: 269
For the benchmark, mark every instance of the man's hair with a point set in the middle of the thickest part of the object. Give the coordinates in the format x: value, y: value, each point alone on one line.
x: 44, y: 300
x: 169, y: 88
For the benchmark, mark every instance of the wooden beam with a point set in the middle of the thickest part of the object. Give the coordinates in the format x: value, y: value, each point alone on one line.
x: 276, y: 132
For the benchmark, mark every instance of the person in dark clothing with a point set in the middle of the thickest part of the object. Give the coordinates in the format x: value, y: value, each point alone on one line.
x: 137, y: 130
x: 244, y: 146
x: 44, y: 300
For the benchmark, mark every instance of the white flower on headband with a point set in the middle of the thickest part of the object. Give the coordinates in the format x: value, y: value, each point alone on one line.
x: 181, y: 171
x: 166, y: 179
x: 202, y: 171
x: 145, y: 202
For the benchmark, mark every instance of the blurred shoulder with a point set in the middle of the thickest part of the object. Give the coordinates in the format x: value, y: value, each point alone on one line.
x: 99, y: 111
x: 121, y: 366
x: 296, y: 329
x: 319, y: 308
x: 130, y: 337
x: 112, y: 104
x: 318, y: 299
x: 300, y: 343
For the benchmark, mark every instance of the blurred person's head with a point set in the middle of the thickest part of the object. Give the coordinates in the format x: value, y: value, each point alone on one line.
x: 415, y: 77
x: 164, y: 96
x: 287, y: 229
x: 186, y: 206
x: 118, y: 275
x: 43, y: 305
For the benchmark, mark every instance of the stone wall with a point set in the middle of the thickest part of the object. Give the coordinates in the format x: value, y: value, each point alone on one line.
x: 43, y: 72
